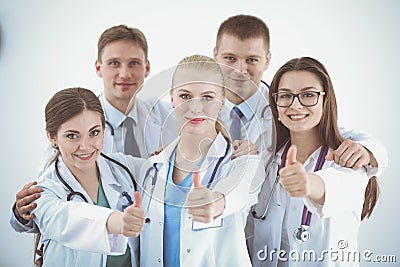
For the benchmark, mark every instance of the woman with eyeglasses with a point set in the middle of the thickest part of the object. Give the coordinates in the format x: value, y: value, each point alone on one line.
x: 315, y: 209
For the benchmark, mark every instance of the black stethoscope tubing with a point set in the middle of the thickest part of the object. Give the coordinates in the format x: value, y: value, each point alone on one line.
x: 75, y: 193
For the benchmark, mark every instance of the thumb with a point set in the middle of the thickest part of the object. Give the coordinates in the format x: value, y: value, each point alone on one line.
x: 291, y: 155
x: 196, y: 179
x: 138, y: 199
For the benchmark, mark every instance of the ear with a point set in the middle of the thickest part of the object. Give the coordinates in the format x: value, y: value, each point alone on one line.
x: 147, y: 67
x: 267, y: 61
x: 215, y: 53
x: 51, y: 139
x: 97, y: 65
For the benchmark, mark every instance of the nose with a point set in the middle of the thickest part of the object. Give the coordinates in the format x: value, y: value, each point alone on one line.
x: 124, y: 71
x: 196, y: 106
x: 296, y: 103
x: 242, y: 66
x: 84, y: 143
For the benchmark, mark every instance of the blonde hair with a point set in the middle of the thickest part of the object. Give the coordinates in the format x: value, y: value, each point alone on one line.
x: 213, y: 75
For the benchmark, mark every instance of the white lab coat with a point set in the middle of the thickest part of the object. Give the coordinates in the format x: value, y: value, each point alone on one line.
x: 334, y: 224
x: 239, y: 180
x: 74, y: 232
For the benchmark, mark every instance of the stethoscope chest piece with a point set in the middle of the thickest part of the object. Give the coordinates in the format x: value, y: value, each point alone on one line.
x: 301, y: 234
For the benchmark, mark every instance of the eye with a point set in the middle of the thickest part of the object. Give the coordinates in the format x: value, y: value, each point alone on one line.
x: 229, y: 58
x: 72, y: 136
x: 185, y: 96
x: 134, y: 63
x: 113, y: 63
x: 208, y: 97
x: 95, y: 132
x: 252, y: 60
x: 284, y: 95
x: 308, y: 94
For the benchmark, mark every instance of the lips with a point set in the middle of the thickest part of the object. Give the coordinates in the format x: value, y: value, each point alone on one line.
x: 125, y: 84
x: 297, y: 117
x: 196, y: 120
x: 85, y: 156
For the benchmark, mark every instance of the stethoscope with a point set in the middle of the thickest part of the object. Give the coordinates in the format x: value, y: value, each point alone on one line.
x: 301, y: 234
x: 79, y: 194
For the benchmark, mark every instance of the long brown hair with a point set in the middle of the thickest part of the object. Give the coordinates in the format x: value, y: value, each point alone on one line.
x: 63, y: 106
x: 328, y: 128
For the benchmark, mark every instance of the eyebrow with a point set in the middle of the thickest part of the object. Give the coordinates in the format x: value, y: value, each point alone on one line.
x: 74, y: 131
x: 119, y: 59
x: 232, y: 54
x: 202, y: 93
x: 301, y: 90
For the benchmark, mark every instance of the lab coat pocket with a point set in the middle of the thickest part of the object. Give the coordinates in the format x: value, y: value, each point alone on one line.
x: 198, y: 226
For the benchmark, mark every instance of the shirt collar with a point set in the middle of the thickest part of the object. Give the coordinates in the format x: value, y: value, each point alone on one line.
x: 247, y: 107
x: 113, y: 115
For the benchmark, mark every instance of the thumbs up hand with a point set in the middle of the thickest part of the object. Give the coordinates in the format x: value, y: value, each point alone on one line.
x: 294, y: 178
x: 133, y: 218
x: 201, y: 201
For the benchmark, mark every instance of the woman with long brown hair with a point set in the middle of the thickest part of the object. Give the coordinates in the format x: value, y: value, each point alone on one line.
x: 316, y: 206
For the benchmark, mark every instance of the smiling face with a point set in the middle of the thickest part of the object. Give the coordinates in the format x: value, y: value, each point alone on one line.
x: 123, y: 67
x: 196, y: 104
x: 298, y: 118
x: 80, y: 140
x: 246, y: 61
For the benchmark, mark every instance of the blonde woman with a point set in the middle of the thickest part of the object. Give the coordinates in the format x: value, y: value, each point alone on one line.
x: 199, y: 204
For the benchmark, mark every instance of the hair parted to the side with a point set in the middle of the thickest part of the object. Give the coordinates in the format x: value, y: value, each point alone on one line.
x: 122, y: 32
x: 63, y: 106
x: 328, y: 128
x: 244, y: 27
x: 209, y: 71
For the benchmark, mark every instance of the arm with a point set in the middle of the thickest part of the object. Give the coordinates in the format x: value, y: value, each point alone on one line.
x: 79, y: 225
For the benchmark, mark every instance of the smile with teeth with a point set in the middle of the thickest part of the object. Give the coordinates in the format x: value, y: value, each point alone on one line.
x: 297, y: 116
x: 85, y: 156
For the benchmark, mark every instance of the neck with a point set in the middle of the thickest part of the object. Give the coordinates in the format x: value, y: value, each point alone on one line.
x: 195, y: 147
x: 89, y: 180
x: 306, y: 143
x: 234, y: 98
x: 121, y: 105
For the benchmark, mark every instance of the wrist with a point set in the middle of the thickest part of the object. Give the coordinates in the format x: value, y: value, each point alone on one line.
x: 18, y: 216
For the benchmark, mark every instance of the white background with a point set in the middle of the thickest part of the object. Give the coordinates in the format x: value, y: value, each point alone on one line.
x: 49, y: 45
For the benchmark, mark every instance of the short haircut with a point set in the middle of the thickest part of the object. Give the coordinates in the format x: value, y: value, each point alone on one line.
x: 121, y: 32
x: 244, y: 27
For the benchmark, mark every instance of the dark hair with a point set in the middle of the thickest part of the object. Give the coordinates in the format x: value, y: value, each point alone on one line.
x: 244, y: 27
x: 69, y: 103
x: 63, y: 106
x: 328, y: 128
x: 121, y: 32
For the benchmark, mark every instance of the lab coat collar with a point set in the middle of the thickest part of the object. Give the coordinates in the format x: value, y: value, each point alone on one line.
x: 217, y: 150
x: 111, y: 186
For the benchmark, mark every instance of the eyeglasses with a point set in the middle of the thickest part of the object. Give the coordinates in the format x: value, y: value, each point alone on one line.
x: 307, y: 99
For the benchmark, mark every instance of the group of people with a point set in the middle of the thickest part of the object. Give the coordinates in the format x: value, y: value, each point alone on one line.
x: 230, y: 172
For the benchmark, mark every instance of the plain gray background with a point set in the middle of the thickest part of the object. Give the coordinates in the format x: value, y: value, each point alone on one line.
x: 49, y: 45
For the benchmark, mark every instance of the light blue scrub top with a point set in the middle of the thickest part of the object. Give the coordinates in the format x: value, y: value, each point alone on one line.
x: 175, y: 197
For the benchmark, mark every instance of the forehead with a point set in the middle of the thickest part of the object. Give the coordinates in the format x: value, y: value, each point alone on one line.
x: 229, y: 44
x: 82, y: 122
x: 297, y: 80
x: 189, y: 75
x: 122, y: 49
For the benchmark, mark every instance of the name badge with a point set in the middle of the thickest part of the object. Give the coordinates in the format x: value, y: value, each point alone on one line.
x: 197, y: 226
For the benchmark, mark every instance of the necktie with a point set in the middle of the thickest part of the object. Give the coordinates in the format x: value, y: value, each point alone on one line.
x: 236, y: 116
x: 130, y: 147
